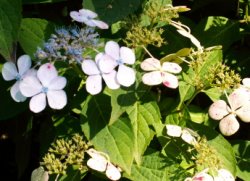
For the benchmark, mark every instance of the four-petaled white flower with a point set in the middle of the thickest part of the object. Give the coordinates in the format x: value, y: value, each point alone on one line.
x: 94, y: 80
x: 48, y: 84
x: 160, y: 73
x: 186, y: 134
x: 115, y: 56
x: 10, y: 72
x: 99, y: 163
x: 86, y: 16
x: 239, y: 105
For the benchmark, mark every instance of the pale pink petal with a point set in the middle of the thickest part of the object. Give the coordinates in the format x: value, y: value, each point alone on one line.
x: 229, y: 125
x: 89, y: 67
x: 16, y: 94
x: 125, y: 75
x: 152, y: 78
x: 90, y: 23
x: 238, y: 98
x: 57, y: 99
x: 218, y: 110
x: 169, y: 80
x: 100, y: 24
x: 224, y: 175
x: 244, y: 113
x: 202, y: 177
x: 110, y: 80
x: 77, y: 16
x: 23, y: 64
x: 87, y: 13
x: 106, y: 63
x: 30, y: 72
x: 9, y: 71
x: 46, y: 73
x: 127, y: 55
x: 171, y: 67
x: 188, y: 137
x: 174, y: 130
x: 94, y: 84
x: 30, y: 86
x: 246, y: 82
x: 38, y: 103
x: 112, y: 172
x: 95, y: 154
x: 112, y: 49
x: 96, y: 164
x: 150, y: 64
x: 57, y: 83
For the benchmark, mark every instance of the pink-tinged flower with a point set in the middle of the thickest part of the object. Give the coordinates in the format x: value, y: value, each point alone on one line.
x: 11, y: 72
x: 47, y: 84
x: 95, y: 75
x: 224, y: 175
x: 118, y: 56
x: 160, y: 73
x: 201, y: 176
x: 239, y: 105
x: 86, y: 16
x: 100, y: 163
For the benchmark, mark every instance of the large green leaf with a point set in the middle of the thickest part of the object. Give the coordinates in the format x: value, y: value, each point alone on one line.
x: 242, y: 151
x: 33, y: 33
x: 116, y: 140
x: 111, y: 11
x: 217, y: 31
x: 10, y: 18
x: 143, y: 117
x: 155, y: 167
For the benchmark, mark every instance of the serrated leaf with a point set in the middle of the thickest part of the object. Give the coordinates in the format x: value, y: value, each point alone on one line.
x: 155, y: 167
x: 242, y: 152
x: 143, y: 118
x: 112, y: 11
x: 217, y: 31
x: 39, y: 174
x: 10, y: 18
x: 116, y: 140
x: 33, y: 33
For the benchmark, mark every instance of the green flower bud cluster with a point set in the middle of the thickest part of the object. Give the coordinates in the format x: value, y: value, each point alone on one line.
x: 223, y: 77
x: 64, y: 153
x: 206, y: 156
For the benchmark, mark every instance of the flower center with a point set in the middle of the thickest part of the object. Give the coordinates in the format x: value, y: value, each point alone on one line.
x: 18, y: 77
x: 45, y: 89
x: 119, y: 61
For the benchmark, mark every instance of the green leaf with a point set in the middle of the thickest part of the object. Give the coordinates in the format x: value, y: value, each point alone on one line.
x: 116, y: 140
x: 242, y: 152
x: 217, y: 31
x: 197, y: 114
x: 143, y: 117
x: 112, y: 11
x: 33, y: 33
x: 10, y: 18
x: 41, y: 1
x: 214, y: 93
x: 39, y: 174
x: 155, y: 167
x: 186, y: 91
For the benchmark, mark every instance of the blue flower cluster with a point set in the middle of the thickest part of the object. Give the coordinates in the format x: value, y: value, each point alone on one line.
x: 68, y: 44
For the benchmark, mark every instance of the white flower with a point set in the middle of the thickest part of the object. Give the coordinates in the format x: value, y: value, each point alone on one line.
x: 160, y: 73
x: 46, y: 84
x: 201, y: 176
x: 94, y: 80
x: 10, y: 72
x: 86, y: 16
x: 116, y: 56
x: 186, y: 134
x: 224, y: 175
x: 99, y: 163
x: 239, y: 105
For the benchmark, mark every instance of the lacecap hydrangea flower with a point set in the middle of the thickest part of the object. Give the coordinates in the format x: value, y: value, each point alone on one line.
x: 95, y: 75
x: 47, y: 84
x: 239, y: 105
x: 160, y: 73
x: 88, y: 17
x: 114, y: 56
x: 11, y: 72
x: 100, y: 163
